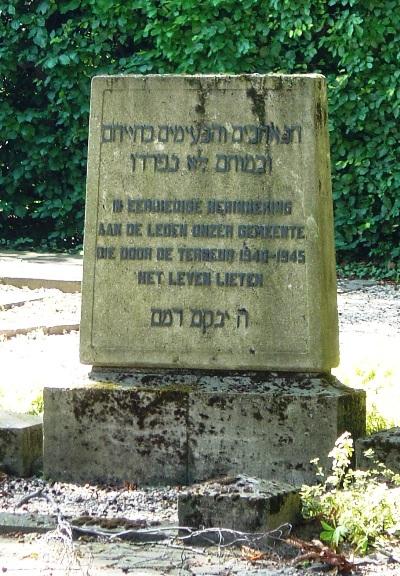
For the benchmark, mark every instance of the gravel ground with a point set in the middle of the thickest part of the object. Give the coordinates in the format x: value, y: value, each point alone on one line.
x: 146, y: 507
x: 369, y: 308
x: 367, y: 312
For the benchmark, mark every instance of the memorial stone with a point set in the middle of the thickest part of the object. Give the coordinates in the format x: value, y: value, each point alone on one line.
x: 209, y: 235
x: 209, y: 291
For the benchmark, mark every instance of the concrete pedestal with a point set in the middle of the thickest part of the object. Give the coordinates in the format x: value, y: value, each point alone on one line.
x: 169, y: 427
x: 239, y: 503
x: 20, y: 443
x: 386, y: 447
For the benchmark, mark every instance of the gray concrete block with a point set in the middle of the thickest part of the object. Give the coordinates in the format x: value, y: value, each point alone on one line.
x: 21, y: 441
x: 239, y: 503
x: 386, y: 447
x: 106, y: 432
x: 171, y: 427
x: 26, y: 522
x: 269, y: 426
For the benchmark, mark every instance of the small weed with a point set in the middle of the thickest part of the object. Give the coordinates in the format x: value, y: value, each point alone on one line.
x: 369, y: 376
x: 353, y: 506
x: 374, y: 365
x: 365, y: 376
x: 37, y: 405
x: 58, y: 552
x: 376, y: 421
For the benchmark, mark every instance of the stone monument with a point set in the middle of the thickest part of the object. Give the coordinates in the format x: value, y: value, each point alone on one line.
x: 209, y: 290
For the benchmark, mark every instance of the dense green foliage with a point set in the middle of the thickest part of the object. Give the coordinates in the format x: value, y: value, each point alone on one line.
x: 50, y: 49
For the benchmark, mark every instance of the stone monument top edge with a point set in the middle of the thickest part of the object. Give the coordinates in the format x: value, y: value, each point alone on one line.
x: 245, y: 76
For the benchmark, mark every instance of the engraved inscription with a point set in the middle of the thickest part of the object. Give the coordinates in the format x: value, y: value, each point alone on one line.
x: 205, y: 134
x: 202, y: 318
x: 192, y: 224
x: 258, y: 164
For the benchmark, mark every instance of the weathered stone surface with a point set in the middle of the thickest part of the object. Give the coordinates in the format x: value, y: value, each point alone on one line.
x: 386, y: 447
x: 107, y: 432
x: 23, y: 522
x: 270, y: 427
x: 168, y: 427
x: 209, y: 236
x: 21, y: 441
x: 239, y: 503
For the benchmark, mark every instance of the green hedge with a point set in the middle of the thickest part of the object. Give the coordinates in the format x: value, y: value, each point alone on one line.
x: 50, y: 50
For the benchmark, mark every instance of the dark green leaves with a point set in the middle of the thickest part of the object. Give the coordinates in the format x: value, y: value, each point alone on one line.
x: 51, y: 50
x: 66, y: 6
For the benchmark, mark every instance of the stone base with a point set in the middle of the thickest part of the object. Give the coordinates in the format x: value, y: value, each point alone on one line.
x: 169, y: 427
x: 239, y: 503
x: 386, y: 447
x: 21, y: 439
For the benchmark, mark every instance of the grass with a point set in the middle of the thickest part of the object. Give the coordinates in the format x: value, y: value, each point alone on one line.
x: 28, y: 363
x: 372, y: 363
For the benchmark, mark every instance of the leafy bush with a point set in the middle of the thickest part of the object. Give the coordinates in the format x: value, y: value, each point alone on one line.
x: 353, y: 505
x: 51, y: 49
x: 377, y: 271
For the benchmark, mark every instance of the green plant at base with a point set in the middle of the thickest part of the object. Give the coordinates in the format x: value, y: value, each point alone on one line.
x: 353, y: 506
x: 375, y: 368
x: 376, y: 421
x: 332, y: 535
x: 37, y: 405
x: 369, y: 270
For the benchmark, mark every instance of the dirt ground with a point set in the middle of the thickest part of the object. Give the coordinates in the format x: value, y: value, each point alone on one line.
x: 55, y: 553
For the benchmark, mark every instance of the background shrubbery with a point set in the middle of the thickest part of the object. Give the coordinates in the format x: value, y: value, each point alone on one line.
x: 50, y: 49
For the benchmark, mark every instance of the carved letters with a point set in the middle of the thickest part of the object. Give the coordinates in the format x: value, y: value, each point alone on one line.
x: 163, y: 318
x: 224, y: 149
x: 196, y: 135
x: 247, y: 163
x: 201, y: 318
x: 258, y: 164
x: 159, y: 162
x: 205, y: 134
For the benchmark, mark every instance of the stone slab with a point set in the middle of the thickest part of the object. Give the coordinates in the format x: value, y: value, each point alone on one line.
x: 41, y: 270
x: 209, y: 233
x: 106, y: 432
x: 179, y: 428
x: 49, y: 330
x: 31, y: 557
x: 29, y: 281
x: 26, y: 522
x: 239, y: 503
x: 386, y: 447
x: 21, y: 441
x: 9, y: 303
x: 11, y: 522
